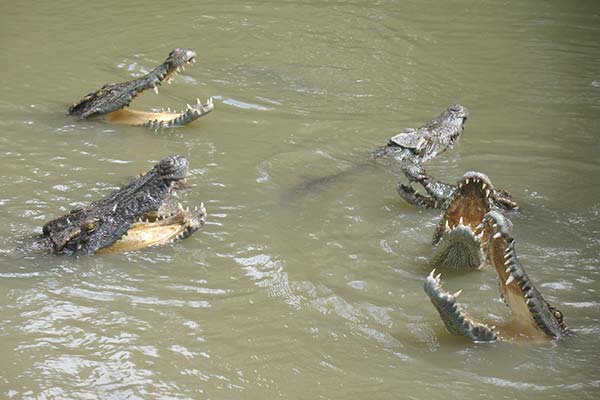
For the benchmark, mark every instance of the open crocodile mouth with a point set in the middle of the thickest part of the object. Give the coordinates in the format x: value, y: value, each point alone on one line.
x: 162, y: 227
x: 533, y: 319
x: 459, y: 239
x: 110, y: 101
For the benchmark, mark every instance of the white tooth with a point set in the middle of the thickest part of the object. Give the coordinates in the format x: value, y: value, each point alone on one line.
x: 460, y: 221
x: 210, y: 100
x: 431, y: 273
x: 447, y: 227
x: 507, y: 261
x: 198, y: 101
x: 437, y: 277
x: 180, y: 206
x: 455, y: 295
x: 507, y: 255
x: 194, y: 60
x: 467, y: 181
x: 156, y: 89
x: 187, y: 209
x: 497, y: 235
x: 189, y: 107
x: 507, y: 270
x: 495, y: 226
x: 483, y: 186
x: 487, y: 193
x: 169, y: 81
x: 182, y: 68
x: 509, y: 280
x: 195, y: 208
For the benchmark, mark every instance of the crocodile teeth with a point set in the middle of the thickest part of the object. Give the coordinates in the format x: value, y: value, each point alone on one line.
x: 487, y: 193
x: 198, y: 101
x: 467, y: 181
x: 509, y: 280
x: 497, y: 235
x: 189, y: 107
x: 461, y: 221
x: 458, y: 293
x: 508, y: 269
x: 180, y: 206
x: 483, y: 186
x: 156, y: 89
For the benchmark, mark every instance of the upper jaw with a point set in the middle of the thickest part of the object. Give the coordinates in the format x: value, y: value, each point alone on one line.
x: 517, y: 288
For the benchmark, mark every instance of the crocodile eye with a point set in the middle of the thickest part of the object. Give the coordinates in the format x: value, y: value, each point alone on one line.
x: 90, y: 225
x: 557, y: 314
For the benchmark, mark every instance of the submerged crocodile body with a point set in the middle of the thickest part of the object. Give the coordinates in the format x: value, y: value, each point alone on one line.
x: 405, y: 152
x: 534, y: 318
x: 143, y: 213
x: 110, y: 100
x: 412, y: 147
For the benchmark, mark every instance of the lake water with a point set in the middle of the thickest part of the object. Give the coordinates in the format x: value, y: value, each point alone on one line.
x: 297, y: 288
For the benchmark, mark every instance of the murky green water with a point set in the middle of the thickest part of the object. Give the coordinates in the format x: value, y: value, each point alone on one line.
x: 309, y: 293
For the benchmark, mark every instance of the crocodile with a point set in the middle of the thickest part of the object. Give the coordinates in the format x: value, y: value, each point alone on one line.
x: 459, y: 240
x: 143, y: 213
x: 412, y: 147
x: 111, y: 99
x: 535, y: 320
x: 406, y: 151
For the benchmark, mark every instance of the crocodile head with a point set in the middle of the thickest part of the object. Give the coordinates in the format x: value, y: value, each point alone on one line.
x: 459, y: 239
x: 110, y: 100
x: 534, y: 319
x: 447, y: 128
x: 424, y: 143
x: 143, y: 213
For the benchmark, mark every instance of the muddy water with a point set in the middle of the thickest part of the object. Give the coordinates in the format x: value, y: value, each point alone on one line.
x: 297, y: 287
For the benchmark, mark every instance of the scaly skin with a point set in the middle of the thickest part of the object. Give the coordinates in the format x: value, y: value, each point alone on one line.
x: 110, y: 101
x: 413, y: 147
x: 535, y: 319
x: 145, y: 210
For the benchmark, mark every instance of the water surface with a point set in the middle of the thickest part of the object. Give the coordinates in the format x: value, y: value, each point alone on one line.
x: 292, y: 289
